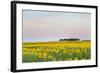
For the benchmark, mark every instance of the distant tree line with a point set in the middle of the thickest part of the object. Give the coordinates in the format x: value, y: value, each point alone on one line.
x: 70, y: 39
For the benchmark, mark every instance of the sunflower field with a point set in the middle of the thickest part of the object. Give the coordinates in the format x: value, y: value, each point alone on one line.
x: 55, y: 51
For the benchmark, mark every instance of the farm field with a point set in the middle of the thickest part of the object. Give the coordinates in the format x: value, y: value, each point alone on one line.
x: 55, y: 51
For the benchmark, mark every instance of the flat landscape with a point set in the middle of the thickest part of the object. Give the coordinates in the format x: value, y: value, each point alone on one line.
x: 55, y: 51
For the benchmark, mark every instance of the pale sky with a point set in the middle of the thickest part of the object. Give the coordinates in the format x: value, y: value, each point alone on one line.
x: 52, y: 26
